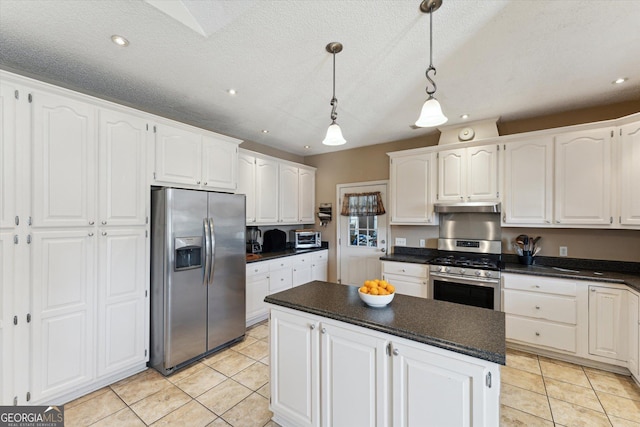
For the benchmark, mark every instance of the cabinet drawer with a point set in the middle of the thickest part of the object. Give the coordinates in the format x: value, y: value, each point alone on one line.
x: 539, y: 284
x: 405, y: 269
x: 406, y: 285
x: 541, y: 333
x: 541, y: 306
x: 257, y: 268
x: 301, y: 260
x: 319, y: 256
x: 280, y: 280
x: 280, y: 263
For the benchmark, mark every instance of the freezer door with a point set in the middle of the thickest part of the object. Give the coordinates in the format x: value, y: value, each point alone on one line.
x: 186, y: 290
x: 226, y: 290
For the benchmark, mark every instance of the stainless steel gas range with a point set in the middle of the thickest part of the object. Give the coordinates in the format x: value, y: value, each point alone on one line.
x: 468, y: 269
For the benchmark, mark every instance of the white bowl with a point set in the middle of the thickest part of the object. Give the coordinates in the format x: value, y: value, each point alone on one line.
x: 376, y: 300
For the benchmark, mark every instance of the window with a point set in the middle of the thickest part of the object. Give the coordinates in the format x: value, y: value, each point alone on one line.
x: 363, y: 231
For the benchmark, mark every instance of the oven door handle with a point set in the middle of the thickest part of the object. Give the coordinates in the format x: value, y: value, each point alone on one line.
x: 489, y: 283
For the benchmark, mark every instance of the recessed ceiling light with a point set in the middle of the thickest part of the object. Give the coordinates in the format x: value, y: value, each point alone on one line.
x: 119, y: 40
x: 265, y: 131
x: 307, y: 147
x: 231, y: 91
x: 619, y: 80
x: 464, y: 116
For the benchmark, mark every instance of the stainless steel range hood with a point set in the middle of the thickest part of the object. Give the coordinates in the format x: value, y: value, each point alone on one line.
x: 470, y: 207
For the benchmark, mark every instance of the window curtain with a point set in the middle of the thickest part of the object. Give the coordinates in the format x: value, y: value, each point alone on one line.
x: 362, y: 204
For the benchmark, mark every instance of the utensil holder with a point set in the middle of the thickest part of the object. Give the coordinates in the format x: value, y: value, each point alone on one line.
x: 526, y: 258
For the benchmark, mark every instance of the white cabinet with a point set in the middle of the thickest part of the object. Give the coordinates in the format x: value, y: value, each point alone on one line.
x: 306, y: 195
x: 7, y: 311
x: 267, y: 191
x: 412, y: 183
x: 608, y: 322
x: 629, y: 177
x: 431, y: 388
x: 8, y: 155
x: 542, y: 311
x: 354, y: 379
x: 301, y: 269
x: 633, y: 359
x: 468, y: 174
x: 121, y: 297
x: 528, y: 182
x: 64, y: 161
x: 122, y: 183
x: 319, y: 265
x: 583, y: 177
x: 407, y: 278
x: 63, y: 337
x: 288, y: 202
x: 295, y: 369
x: 193, y: 158
x: 247, y: 183
x: 280, y: 274
x: 257, y: 289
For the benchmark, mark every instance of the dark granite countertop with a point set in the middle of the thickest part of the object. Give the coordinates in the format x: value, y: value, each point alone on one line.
x: 288, y: 252
x: 472, y: 331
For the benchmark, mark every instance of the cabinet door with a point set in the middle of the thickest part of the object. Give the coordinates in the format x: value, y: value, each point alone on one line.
x: 430, y: 389
x: 64, y: 161
x: 8, y: 155
x: 354, y: 381
x: 306, y: 196
x: 411, y: 194
x: 279, y: 280
x: 630, y: 174
x: 528, y: 182
x: 247, y: 183
x: 452, y: 176
x: 64, y: 309
x: 219, y: 160
x: 295, y: 371
x: 257, y: 290
x: 288, y: 194
x: 121, y: 299
x: 301, y: 269
x: 7, y: 311
x: 319, y: 270
x: 583, y: 177
x: 178, y: 154
x: 122, y: 163
x: 634, y: 330
x: 266, y: 191
x: 608, y: 318
x: 482, y: 173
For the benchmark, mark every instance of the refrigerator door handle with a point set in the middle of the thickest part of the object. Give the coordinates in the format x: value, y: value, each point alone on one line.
x: 207, y: 252
x: 213, y: 250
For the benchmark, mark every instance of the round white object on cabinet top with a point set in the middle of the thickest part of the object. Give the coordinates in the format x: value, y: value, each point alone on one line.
x: 466, y: 134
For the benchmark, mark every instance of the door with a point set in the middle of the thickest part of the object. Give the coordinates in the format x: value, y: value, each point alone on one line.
x: 219, y: 160
x: 630, y: 174
x: 178, y: 153
x: 122, y: 184
x: 354, y: 378
x: 226, y: 290
x: 362, y: 239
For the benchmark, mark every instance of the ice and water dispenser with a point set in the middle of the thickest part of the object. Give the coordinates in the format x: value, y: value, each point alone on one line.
x: 188, y: 253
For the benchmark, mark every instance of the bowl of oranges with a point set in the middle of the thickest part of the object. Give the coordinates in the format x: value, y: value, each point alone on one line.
x: 376, y: 293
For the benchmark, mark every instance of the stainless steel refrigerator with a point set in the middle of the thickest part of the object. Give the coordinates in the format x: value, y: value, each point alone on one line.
x: 197, y: 274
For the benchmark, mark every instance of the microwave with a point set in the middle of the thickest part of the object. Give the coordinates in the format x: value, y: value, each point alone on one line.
x: 303, y: 239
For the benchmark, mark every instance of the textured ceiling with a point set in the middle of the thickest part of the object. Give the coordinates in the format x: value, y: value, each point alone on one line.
x: 512, y: 59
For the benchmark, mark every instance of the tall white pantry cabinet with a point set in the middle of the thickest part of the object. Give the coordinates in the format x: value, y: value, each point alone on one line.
x: 74, y: 243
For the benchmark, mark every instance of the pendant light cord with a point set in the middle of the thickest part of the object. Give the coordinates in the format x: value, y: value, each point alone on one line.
x: 431, y: 67
x: 334, y: 100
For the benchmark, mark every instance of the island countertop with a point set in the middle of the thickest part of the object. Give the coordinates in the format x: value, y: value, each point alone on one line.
x: 472, y: 331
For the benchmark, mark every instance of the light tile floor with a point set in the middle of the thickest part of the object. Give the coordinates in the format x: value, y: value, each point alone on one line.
x: 232, y: 388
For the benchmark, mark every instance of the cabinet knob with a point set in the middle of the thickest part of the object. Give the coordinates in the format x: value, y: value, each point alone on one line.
x: 198, y: 183
x: 90, y: 234
x: 104, y: 222
x: 104, y: 233
x: 323, y: 330
x: 537, y: 334
x: 593, y: 290
x: 395, y: 352
x: 91, y: 222
x: 461, y: 198
x: 205, y: 183
x: 536, y: 286
x: 312, y: 326
x: 255, y: 271
x: 537, y: 307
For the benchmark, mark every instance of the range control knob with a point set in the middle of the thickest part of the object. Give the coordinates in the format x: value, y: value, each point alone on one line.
x: 447, y: 269
x: 462, y: 271
x: 488, y: 274
x: 478, y: 273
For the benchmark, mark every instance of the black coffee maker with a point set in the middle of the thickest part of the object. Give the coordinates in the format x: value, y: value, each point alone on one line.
x: 253, y: 245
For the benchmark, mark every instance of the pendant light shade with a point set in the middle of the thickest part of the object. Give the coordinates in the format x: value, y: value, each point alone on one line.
x: 334, y: 133
x: 431, y: 114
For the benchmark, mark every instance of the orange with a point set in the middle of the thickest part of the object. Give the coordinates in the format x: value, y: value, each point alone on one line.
x: 364, y: 290
x: 391, y: 289
x: 374, y: 291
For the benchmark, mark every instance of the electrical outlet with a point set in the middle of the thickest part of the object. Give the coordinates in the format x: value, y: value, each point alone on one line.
x: 563, y: 251
x: 401, y: 241
x: 422, y: 243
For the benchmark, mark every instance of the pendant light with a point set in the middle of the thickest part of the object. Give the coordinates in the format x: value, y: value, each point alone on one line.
x: 431, y: 114
x: 334, y: 134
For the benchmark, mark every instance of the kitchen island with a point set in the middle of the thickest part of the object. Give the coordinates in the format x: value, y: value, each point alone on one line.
x: 336, y: 361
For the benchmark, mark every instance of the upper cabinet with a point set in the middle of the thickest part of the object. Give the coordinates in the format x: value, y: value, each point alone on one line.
x: 528, y: 182
x: 193, y: 158
x: 468, y: 174
x: 583, y: 177
x: 278, y: 192
x: 412, y: 183
x: 8, y: 155
x: 629, y: 177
